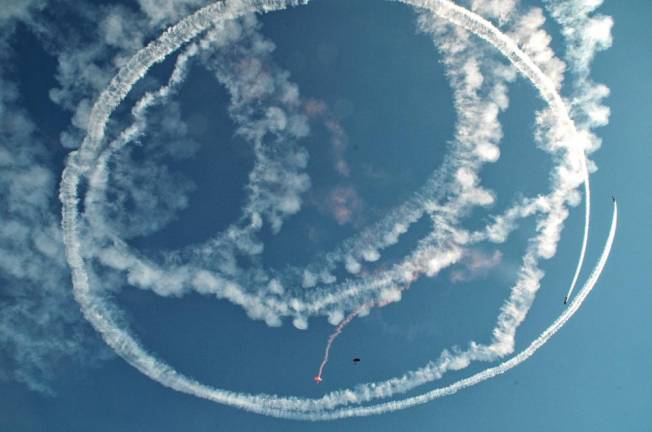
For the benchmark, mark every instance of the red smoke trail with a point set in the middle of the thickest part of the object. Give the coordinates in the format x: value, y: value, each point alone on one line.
x: 333, y: 336
x: 346, y: 321
x: 338, y: 330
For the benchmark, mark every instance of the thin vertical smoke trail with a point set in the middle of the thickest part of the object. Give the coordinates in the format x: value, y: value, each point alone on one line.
x: 585, y: 238
x: 338, y: 330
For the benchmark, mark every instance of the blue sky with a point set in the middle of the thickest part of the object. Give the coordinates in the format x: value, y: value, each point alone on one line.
x: 379, y: 98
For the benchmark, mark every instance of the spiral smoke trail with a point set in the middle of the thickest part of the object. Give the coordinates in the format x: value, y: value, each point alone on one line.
x: 429, y: 259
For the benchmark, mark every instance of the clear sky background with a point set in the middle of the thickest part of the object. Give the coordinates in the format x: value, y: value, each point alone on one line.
x: 383, y: 84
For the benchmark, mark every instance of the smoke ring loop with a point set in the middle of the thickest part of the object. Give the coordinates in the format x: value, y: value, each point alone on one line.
x: 94, y: 308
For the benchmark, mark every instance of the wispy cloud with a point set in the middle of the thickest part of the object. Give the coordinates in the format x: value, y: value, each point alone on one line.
x: 40, y: 323
x: 41, y: 327
x: 344, y: 204
x: 476, y: 264
x: 19, y: 10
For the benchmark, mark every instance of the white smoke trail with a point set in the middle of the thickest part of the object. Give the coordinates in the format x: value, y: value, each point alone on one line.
x: 585, y: 235
x: 585, y: 36
x: 105, y: 320
x: 98, y: 178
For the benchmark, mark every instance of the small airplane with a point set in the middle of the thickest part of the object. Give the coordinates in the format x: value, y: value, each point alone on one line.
x: 317, y: 379
x: 356, y: 360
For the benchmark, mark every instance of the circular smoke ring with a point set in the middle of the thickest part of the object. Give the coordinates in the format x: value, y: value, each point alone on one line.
x: 91, y: 161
